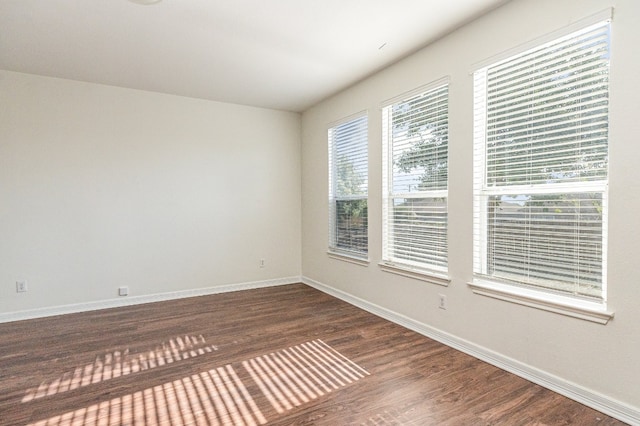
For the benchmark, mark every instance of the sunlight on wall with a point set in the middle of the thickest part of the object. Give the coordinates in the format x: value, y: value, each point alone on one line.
x: 286, y: 378
x: 121, y: 363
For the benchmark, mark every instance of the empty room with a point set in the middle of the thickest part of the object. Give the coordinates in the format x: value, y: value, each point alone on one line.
x: 354, y: 212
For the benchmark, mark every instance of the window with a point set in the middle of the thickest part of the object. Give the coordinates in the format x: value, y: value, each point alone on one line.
x: 348, y: 187
x: 540, y: 172
x: 415, y: 141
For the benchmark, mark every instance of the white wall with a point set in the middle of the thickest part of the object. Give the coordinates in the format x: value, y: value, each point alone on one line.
x: 602, y: 359
x: 102, y: 187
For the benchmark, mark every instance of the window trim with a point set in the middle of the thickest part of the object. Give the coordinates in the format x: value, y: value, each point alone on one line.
x: 346, y: 257
x: 431, y: 277
x: 603, y: 15
x: 544, y: 299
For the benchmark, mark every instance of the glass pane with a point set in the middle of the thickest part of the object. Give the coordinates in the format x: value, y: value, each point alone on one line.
x: 419, y: 231
x: 351, y: 162
x: 547, y: 114
x: 351, y: 225
x: 420, y: 129
x: 551, y: 241
x: 351, y: 175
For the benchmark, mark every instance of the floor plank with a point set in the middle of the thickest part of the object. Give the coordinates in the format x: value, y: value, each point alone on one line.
x: 287, y: 355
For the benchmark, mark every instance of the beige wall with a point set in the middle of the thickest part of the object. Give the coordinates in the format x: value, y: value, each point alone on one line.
x: 600, y: 358
x: 102, y: 187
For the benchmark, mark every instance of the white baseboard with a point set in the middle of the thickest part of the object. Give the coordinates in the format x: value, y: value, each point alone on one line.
x: 602, y: 403
x: 136, y: 300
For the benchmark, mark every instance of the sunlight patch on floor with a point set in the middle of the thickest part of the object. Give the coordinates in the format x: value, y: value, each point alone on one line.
x: 286, y: 379
x: 301, y: 373
x: 122, y: 363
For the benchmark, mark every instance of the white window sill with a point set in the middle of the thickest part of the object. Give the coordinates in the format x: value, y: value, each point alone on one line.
x: 419, y: 274
x: 348, y: 258
x: 564, y: 305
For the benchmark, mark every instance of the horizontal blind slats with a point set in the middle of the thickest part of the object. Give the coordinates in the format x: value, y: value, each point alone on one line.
x: 541, y: 122
x: 415, y: 132
x: 348, y: 187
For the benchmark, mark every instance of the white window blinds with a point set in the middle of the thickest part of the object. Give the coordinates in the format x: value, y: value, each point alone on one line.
x: 415, y: 141
x: 348, y: 187
x: 540, y: 172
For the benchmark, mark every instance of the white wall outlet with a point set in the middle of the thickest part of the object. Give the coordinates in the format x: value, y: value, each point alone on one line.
x: 21, y: 286
x: 262, y: 263
x: 442, y: 301
x: 123, y: 291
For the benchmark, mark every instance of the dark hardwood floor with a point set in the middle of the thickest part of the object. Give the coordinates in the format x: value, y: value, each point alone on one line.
x: 286, y: 355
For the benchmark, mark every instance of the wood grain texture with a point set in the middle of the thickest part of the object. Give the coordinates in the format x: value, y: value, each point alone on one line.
x: 287, y: 355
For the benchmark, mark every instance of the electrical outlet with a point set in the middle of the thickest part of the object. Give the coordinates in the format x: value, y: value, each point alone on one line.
x: 442, y: 304
x: 262, y: 263
x: 21, y: 286
x: 123, y: 291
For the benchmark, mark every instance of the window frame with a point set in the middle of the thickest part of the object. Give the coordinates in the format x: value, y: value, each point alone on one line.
x: 427, y: 272
x: 592, y: 309
x: 334, y: 251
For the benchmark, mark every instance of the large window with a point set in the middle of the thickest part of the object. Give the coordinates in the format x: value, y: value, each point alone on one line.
x: 348, y: 187
x: 541, y: 151
x: 415, y: 141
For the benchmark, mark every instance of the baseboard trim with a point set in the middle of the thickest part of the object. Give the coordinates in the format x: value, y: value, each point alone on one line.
x: 137, y: 300
x: 602, y: 403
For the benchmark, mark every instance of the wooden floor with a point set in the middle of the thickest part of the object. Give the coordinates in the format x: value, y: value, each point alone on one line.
x: 286, y: 355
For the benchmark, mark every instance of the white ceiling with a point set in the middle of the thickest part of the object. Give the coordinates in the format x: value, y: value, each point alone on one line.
x: 282, y: 54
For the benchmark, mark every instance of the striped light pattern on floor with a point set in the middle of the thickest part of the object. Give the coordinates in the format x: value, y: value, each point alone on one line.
x: 286, y: 379
x: 291, y: 377
x: 118, y: 363
x: 216, y: 397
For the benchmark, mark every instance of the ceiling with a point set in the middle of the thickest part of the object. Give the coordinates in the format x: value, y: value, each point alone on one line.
x: 282, y: 54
